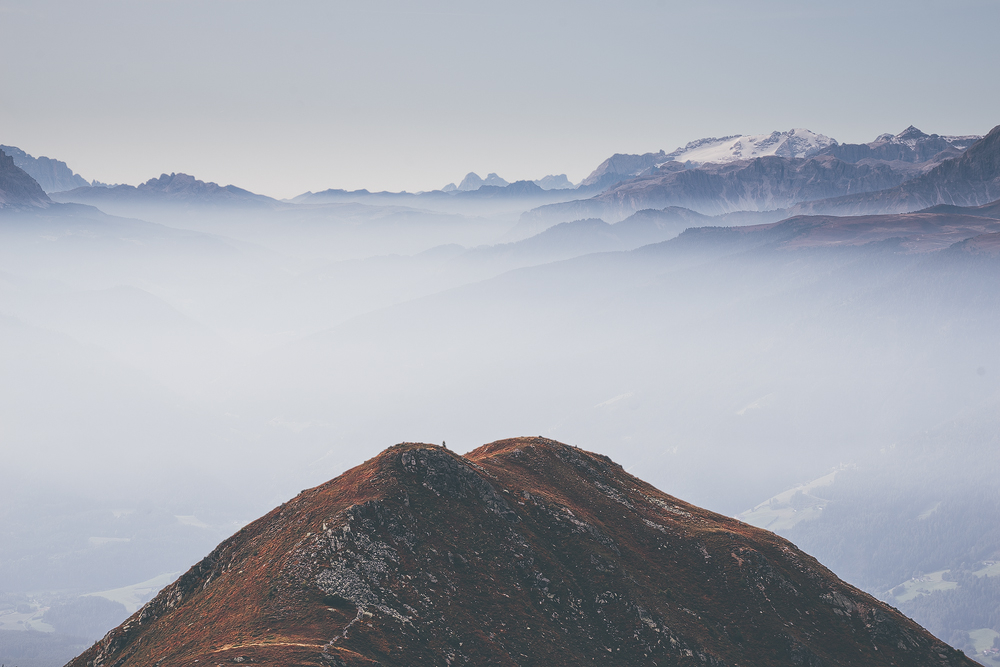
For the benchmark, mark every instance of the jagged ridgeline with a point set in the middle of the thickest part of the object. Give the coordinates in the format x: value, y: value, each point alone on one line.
x: 523, y: 552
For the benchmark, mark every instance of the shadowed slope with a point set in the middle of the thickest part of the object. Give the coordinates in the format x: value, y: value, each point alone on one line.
x: 970, y: 180
x: 523, y: 552
x: 17, y: 188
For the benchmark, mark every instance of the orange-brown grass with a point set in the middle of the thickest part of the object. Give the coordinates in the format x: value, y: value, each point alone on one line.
x: 523, y: 552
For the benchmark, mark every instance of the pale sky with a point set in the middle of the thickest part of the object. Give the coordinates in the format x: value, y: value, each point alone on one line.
x: 284, y: 97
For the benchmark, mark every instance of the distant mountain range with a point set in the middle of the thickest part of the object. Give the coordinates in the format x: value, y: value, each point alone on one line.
x: 910, y: 145
x: 51, y: 175
x: 778, y: 174
x: 762, y: 184
x: 524, y: 551
x: 168, y: 189
x: 472, y: 181
x: 511, y: 199
x: 793, y: 167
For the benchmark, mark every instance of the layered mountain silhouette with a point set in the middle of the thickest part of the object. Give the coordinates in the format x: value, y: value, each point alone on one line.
x: 760, y: 173
x: 910, y: 145
x: 168, y: 189
x: 472, y: 181
x: 761, y: 184
x: 17, y: 188
x: 921, y: 232
x: 522, y: 552
x: 52, y: 175
x: 971, y: 179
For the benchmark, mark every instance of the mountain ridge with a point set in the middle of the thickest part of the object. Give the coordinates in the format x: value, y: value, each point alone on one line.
x: 761, y: 184
x: 52, y: 175
x: 170, y: 189
x: 523, y: 552
x: 970, y: 179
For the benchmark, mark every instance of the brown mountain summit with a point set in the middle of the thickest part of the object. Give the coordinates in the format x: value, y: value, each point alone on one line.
x: 523, y: 552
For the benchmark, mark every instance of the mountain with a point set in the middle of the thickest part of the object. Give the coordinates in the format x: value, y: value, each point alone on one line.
x: 793, y: 143
x: 554, y: 182
x: 640, y: 228
x: 17, y: 188
x: 486, y: 200
x: 168, y: 189
x: 797, y: 166
x: 52, y: 175
x: 620, y: 167
x: 971, y: 179
x: 472, y: 181
x: 573, y: 239
x: 515, y: 190
x: 798, y: 143
x: 761, y: 184
x: 911, y: 232
x: 910, y: 145
x: 914, y: 524
x: 523, y: 552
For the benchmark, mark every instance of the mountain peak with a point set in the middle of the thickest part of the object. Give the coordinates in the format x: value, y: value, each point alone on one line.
x: 911, y: 132
x: 472, y: 181
x: 176, y: 182
x: 554, y: 182
x: 524, y: 551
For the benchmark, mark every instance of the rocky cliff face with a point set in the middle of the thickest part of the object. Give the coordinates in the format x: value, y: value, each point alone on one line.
x: 51, y: 175
x: 971, y: 179
x: 762, y: 184
x: 523, y: 552
x: 18, y: 189
x: 620, y: 167
x: 910, y: 145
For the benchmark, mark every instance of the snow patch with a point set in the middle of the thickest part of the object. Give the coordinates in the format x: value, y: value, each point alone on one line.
x: 797, y: 142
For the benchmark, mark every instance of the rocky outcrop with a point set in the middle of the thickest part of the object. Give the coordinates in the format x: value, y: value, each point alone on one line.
x: 51, y: 175
x: 17, y: 188
x: 523, y: 552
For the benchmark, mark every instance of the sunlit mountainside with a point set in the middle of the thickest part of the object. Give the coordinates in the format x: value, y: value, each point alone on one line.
x: 524, y: 551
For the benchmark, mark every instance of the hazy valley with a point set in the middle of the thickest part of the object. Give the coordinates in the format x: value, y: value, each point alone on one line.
x: 778, y: 327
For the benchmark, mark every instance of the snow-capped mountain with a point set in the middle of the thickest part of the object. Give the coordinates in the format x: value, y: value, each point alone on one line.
x: 797, y: 142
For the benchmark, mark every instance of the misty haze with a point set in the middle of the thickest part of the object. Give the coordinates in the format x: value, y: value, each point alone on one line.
x: 642, y: 355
